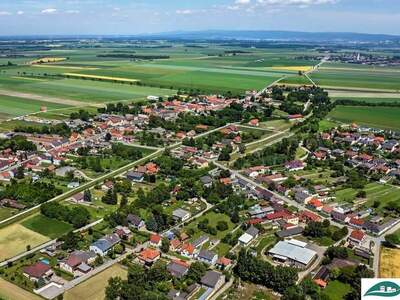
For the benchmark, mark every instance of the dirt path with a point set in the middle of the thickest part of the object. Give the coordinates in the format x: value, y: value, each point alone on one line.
x: 44, y: 98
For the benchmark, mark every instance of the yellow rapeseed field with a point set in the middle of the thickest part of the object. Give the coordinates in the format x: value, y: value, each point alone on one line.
x: 100, y: 77
x: 45, y: 60
x: 293, y: 68
x: 389, y: 263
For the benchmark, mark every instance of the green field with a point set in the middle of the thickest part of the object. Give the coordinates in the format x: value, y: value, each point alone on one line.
x: 375, y: 192
x: 13, y: 106
x: 336, y: 290
x: 46, y: 226
x: 376, y: 117
x: 366, y: 78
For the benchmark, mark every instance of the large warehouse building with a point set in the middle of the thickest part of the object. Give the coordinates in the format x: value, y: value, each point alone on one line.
x: 293, y: 252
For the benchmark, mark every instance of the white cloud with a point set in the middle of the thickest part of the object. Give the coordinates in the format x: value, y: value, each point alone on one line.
x: 5, y: 13
x: 20, y: 12
x: 184, y: 12
x: 49, y: 11
x: 295, y: 2
x: 73, y: 12
x: 241, y: 2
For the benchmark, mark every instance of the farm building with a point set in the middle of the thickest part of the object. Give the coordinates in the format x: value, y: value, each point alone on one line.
x: 293, y: 252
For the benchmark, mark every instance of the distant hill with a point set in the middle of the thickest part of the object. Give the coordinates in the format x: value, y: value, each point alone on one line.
x: 277, y: 36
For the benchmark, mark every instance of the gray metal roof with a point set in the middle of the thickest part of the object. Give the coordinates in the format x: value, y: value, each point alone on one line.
x: 293, y: 252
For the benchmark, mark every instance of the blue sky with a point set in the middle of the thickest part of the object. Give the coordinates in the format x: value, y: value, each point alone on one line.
x: 29, y: 17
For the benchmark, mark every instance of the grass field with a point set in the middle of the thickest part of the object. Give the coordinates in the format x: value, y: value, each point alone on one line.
x: 13, y: 106
x: 369, y: 78
x: 9, y: 291
x: 15, y: 238
x: 94, y: 288
x: 376, y: 117
x: 336, y: 290
x: 389, y: 263
x: 46, y: 226
x: 375, y: 192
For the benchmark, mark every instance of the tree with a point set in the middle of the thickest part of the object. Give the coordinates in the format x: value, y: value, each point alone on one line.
x: 165, y: 245
x: 87, y: 196
x: 70, y: 241
x: 222, y: 225
x: 124, y: 201
x: 20, y: 173
x: 196, y: 271
x: 113, y: 288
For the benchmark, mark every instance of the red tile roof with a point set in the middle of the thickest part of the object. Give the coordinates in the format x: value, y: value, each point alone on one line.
x: 357, y: 235
x: 37, y: 270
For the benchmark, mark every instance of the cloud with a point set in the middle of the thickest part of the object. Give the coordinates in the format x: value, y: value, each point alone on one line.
x: 20, y: 12
x: 49, y: 11
x: 5, y: 13
x: 184, y: 12
x: 295, y: 2
x: 72, y: 12
x: 241, y: 2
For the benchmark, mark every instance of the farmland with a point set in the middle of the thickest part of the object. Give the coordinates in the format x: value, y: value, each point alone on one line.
x: 376, y: 117
x: 389, y: 263
x: 94, y: 288
x: 358, y: 78
x: 15, y: 238
x: 375, y: 192
x: 46, y: 226
x: 9, y: 291
x: 13, y: 106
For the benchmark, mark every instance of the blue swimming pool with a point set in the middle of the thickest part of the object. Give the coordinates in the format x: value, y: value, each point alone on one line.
x: 45, y: 261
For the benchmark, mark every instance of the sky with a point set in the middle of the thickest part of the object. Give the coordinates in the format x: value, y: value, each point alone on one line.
x: 125, y: 17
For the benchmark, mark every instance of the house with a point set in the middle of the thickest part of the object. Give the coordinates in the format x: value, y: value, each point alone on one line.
x: 135, y: 221
x: 290, y: 232
x: 315, y: 203
x: 308, y: 216
x: 206, y: 180
x: 188, y: 250
x: 198, y: 243
x: 213, y: 280
x: 155, y: 240
x: 135, y: 176
x: 175, y: 244
x: 254, y: 122
x: 78, y: 198
x: 37, y: 271
x: 107, y: 185
x: 180, y: 215
x: 223, y: 263
x: 178, y: 268
x: 295, y: 165
x: 356, y: 237
x: 356, y: 223
x: 207, y: 257
x: 123, y: 232
x: 149, y: 256
x: 105, y: 244
x: 78, y: 262
x: 250, y: 234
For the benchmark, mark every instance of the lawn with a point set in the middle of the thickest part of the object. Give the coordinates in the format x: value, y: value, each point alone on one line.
x: 376, y: 117
x: 389, y: 263
x: 336, y: 290
x: 46, y: 226
x: 213, y: 219
x: 14, y: 239
x: 325, y: 125
x: 265, y: 242
x: 94, y: 288
x: 9, y: 291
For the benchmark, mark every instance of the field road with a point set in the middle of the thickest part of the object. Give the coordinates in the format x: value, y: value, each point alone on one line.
x: 44, y: 98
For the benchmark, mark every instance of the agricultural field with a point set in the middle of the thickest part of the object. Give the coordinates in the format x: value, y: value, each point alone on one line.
x: 94, y: 288
x: 11, y: 107
x: 9, y: 291
x: 15, y: 238
x: 375, y: 192
x: 389, y: 263
x: 46, y: 226
x: 356, y: 78
x: 376, y: 117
